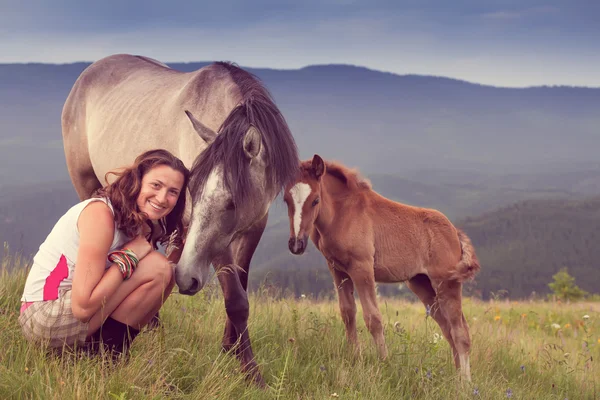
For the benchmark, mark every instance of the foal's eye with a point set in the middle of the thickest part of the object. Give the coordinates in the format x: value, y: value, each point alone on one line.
x: 230, y: 206
x: 315, y: 202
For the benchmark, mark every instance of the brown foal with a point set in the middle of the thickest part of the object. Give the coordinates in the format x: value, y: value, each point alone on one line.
x: 367, y: 238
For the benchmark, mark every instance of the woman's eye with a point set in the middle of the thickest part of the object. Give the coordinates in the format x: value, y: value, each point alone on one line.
x: 315, y: 202
x: 155, y: 185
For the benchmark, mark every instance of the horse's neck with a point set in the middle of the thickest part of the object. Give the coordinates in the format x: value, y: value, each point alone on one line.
x: 331, y: 190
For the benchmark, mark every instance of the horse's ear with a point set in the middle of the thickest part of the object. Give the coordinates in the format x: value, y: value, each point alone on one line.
x: 252, y: 142
x: 318, y: 166
x: 207, y: 134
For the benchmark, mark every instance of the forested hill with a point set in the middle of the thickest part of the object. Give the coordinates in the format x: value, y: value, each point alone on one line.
x: 522, y: 246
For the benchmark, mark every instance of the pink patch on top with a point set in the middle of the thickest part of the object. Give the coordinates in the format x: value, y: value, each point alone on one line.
x: 58, y: 274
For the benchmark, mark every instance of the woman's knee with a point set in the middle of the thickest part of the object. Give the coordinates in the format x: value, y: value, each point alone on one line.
x: 157, y: 267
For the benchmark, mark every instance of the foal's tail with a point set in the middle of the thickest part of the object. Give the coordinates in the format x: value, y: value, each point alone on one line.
x: 468, y: 266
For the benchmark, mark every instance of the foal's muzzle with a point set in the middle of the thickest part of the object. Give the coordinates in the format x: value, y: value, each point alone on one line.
x: 297, y: 245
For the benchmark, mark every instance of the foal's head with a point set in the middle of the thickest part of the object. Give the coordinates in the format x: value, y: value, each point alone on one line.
x: 303, y: 198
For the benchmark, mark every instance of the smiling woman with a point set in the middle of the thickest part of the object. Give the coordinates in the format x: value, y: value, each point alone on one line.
x: 97, y: 279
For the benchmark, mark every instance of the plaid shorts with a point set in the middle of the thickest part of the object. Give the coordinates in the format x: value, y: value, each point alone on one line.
x: 52, y: 322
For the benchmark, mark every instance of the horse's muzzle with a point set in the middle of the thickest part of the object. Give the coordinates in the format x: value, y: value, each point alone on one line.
x: 297, y: 245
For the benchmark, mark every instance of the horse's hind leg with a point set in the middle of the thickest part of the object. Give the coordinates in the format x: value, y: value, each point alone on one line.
x: 75, y: 144
x: 449, y: 295
x: 421, y: 286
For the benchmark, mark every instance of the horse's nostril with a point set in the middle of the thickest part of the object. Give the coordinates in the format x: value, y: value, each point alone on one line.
x: 194, y: 287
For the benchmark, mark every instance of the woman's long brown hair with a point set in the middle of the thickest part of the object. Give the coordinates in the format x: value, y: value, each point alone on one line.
x: 124, y: 191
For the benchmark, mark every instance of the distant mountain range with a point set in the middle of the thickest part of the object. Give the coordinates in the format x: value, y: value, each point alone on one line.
x: 508, y: 165
x: 379, y: 122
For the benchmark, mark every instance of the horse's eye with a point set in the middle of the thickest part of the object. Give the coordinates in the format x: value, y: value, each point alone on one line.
x: 315, y: 202
x: 230, y: 206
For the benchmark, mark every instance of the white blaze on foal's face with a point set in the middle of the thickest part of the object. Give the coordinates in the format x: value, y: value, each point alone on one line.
x: 300, y: 193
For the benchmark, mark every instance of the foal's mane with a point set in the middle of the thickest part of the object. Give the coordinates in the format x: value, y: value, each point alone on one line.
x: 350, y: 177
x: 258, y: 109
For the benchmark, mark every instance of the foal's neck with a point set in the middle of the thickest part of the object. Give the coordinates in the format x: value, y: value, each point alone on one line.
x: 332, y: 191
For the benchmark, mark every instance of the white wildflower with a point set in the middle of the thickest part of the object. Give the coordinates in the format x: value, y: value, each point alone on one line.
x: 555, y: 326
x: 586, y: 316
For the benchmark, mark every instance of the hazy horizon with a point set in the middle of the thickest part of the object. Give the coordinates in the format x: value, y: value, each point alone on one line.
x: 499, y: 43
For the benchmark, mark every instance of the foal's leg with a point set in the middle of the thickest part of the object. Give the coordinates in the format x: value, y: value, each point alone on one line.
x: 421, y: 286
x: 345, y: 291
x: 364, y: 279
x: 450, y: 300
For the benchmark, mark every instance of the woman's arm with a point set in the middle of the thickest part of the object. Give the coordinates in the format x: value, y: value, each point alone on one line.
x: 92, y: 284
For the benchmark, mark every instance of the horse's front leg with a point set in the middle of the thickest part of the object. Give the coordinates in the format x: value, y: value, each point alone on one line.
x: 345, y: 291
x: 238, y: 310
x: 242, y: 250
x: 363, y: 276
x: 240, y: 254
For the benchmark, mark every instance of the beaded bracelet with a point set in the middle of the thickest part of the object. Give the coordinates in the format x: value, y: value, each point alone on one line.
x: 126, y: 260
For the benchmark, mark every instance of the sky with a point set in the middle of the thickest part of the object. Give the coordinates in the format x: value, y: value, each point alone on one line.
x: 511, y: 43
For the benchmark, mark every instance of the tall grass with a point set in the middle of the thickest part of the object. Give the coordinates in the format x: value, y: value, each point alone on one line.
x: 300, y: 346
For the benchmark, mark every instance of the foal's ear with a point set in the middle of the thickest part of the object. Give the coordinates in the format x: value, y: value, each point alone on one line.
x: 207, y: 134
x: 252, y: 142
x: 318, y: 166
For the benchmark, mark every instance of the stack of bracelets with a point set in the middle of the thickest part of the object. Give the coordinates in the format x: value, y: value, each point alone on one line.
x: 126, y: 260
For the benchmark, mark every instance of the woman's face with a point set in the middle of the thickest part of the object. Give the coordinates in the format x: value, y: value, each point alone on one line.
x: 161, y: 187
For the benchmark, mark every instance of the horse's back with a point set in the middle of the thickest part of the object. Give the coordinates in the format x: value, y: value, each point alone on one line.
x: 123, y: 105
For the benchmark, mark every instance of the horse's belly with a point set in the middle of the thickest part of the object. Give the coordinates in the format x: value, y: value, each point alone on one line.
x: 396, y: 272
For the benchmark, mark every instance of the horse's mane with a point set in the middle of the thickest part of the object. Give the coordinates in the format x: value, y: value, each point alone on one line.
x: 258, y: 109
x: 351, y: 177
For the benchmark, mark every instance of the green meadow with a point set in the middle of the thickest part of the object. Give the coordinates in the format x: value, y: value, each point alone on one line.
x: 521, y: 350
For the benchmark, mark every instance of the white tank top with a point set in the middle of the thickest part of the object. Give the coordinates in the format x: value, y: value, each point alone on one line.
x: 54, y: 263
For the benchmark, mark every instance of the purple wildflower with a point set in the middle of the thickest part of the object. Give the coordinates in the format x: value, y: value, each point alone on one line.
x: 476, y: 392
x: 428, y: 374
x: 509, y: 393
x: 428, y: 310
x: 522, y: 368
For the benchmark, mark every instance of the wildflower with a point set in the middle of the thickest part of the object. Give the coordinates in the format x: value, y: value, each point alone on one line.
x: 183, y: 309
x: 509, y: 393
x: 322, y: 368
x: 474, y: 318
x: 523, y: 315
x: 291, y: 340
x: 598, y: 340
x: 555, y: 326
x: 497, y: 318
x: 567, y: 326
x: 428, y: 310
x: 303, y: 296
x: 26, y: 370
x: 522, y: 368
x: 416, y: 370
x: 436, y: 338
x: 335, y: 395
x: 428, y: 374
x: 586, y: 316
x: 476, y: 392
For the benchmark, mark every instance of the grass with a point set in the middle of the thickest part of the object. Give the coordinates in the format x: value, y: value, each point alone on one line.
x: 300, y: 346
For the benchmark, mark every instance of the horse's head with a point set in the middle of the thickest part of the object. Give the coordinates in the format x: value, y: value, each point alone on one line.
x: 232, y: 187
x: 303, y: 199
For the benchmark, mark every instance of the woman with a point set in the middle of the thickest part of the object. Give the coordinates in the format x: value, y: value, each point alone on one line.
x: 97, y: 277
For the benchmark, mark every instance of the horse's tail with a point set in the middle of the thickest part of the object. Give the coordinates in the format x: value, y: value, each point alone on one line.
x: 468, y: 266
